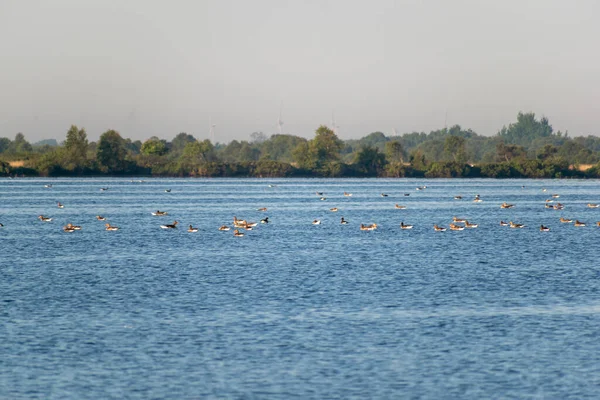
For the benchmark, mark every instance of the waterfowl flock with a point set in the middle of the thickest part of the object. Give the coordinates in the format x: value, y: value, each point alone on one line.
x: 456, y: 224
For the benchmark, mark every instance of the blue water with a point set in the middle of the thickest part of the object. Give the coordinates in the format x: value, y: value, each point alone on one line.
x: 294, y: 310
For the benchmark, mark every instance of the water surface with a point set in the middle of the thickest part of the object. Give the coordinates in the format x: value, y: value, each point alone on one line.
x: 293, y: 310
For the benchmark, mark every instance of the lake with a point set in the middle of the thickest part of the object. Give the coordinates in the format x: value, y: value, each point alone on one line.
x: 292, y: 309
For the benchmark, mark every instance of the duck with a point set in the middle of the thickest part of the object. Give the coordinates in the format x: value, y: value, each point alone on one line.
x: 191, y: 229
x: 506, y: 205
x: 556, y: 196
x: 100, y: 218
x: 404, y: 226
x: 454, y: 227
x: 565, y: 220
x: 384, y: 195
x: 160, y: 213
x: 167, y: 190
x: 477, y: 200
x: 513, y: 225
x: 549, y: 201
x: 579, y: 223
x: 319, y: 193
x: 237, y: 233
x: 347, y: 194
x: 457, y: 197
x: 243, y: 224
x: 262, y: 209
x: 69, y: 228
x: 502, y: 223
x: 343, y: 221
x: 598, y: 223
x: 316, y: 222
x: 265, y: 220
x: 399, y: 207
x: 548, y: 206
x: 334, y: 209
x: 461, y: 220
x: 170, y: 226
x: 544, y: 228
x: 224, y: 228
x: 544, y: 190
x: 470, y: 225
x: 60, y: 205
x: 109, y: 227
x: 558, y: 206
x: 1, y: 225
x: 592, y: 205
x: 48, y: 186
x: 323, y: 198
x: 44, y: 219
x: 370, y: 227
x: 439, y: 228
x: 239, y: 223
x: 407, y: 194
x: 103, y: 189
x: 72, y: 227
x: 272, y: 185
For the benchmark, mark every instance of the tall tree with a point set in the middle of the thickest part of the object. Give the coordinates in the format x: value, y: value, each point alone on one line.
x: 111, y: 152
x: 76, y: 147
x: 369, y: 160
x: 19, y: 145
x: 326, y: 146
x: 394, y: 151
x: 454, y: 147
x: 154, y: 146
x: 180, y: 141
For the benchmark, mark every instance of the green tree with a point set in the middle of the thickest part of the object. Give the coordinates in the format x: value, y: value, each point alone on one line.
x: 154, y: 147
x: 4, y: 144
x: 19, y: 145
x: 199, y: 152
x: 180, y: 141
x: 525, y: 130
x: 76, y: 147
x: 508, y: 152
x: 369, y: 161
x: 454, y: 147
x: 111, y: 152
x: 394, y: 151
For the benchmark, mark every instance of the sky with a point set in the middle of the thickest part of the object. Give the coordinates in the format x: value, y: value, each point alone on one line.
x: 155, y: 68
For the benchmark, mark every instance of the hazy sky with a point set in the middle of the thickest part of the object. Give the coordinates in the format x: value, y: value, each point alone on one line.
x: 148, y: 67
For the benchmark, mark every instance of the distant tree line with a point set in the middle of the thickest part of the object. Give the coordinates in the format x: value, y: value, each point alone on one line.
x: 528, y: 147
